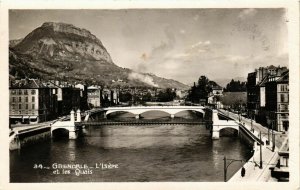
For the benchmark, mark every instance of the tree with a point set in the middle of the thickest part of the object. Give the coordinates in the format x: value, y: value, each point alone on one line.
x: 201, y: 90
x: 147, y: 97
x: 125, y: 97
x: 166, y: 95
x: 235, y: 86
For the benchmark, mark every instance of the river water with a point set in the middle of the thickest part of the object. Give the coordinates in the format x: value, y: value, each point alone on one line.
x: 131, y: 153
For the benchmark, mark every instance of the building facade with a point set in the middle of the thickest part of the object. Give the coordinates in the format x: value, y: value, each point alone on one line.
x: 31, y: 101
x: 94, y: 96
x: 277, y: 102
x: 267, y: 96
x: 256, y: 90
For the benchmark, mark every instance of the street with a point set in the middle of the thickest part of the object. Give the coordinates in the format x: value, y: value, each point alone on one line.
x: 279, y: 136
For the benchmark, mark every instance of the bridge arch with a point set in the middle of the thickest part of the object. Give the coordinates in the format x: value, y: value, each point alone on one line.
x: 139, y: 111
x: 196, y: 110
x: 120, y: 111
x: 156, y: 110
x: 60, y: 132
x: 231, y: 127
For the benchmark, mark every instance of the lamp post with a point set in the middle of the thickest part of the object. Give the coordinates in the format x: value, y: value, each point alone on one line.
x: 268, y: 137
x: 226, y: 166
x: 273, y: 137
x: 251, y: 115
x: 260, y: 152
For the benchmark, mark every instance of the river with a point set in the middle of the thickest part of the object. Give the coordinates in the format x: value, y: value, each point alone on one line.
x: 131, y: 153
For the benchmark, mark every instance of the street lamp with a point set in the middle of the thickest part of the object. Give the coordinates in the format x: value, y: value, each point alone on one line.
x: 251, y: 115
x: 260, y: 152
x: 226, y: 166
x: 268, y: 142
x: 273, y: 137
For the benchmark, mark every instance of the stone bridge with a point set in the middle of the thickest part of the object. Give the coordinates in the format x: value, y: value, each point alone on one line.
x: 72, y: 128
x: 137, y: 110
x: 68, y: 125
x: 219, y: 124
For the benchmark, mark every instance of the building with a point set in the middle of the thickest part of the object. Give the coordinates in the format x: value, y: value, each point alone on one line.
x: 31, y: 101
x: 83, y: 96
x: 116, y: 96
x: 277, y: 101
x: 68, y: 97
x: 256, y: 90
x: 217, y: 90
x: 94, y: 96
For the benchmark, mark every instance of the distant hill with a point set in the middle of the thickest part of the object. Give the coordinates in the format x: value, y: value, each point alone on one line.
x: 65, y: 52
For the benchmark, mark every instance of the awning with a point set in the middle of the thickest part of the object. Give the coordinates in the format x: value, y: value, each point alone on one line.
x: 33, y: 117
x: 25, y: 117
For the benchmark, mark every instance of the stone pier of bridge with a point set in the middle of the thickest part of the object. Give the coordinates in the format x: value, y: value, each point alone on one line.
x: 219, y: 124
x: 70, y: 125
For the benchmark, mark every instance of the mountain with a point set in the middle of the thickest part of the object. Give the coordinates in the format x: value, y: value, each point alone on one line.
x: 13, y: 43
x: 65, y: 52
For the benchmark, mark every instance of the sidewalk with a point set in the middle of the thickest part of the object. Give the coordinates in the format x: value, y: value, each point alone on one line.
x: 279, y: 136
x: 253, y: 172
x: 269, y: 158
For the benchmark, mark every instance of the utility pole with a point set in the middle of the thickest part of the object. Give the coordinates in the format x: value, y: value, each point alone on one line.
x: 225, y: 170
x: 268, y: 135
x: 260, y: 152
x: 273, y: 137
x: 251, y: 121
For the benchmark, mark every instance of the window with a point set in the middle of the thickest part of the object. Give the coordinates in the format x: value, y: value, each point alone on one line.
x: 13, y: 91
x: 33, y: 106
x: 26, y: 106
x: 33, y: 99
x: 26, y: 99
x: 13, y: 106
x: 20, y: 99
x: 13, y: 99
x: 20, y: 92
x: 20, y: 106
x: 32, y: 92
x: 284, y: 98
x: 26, y: 92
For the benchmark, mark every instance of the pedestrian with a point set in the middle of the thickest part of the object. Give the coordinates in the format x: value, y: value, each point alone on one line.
x: 243, y: 171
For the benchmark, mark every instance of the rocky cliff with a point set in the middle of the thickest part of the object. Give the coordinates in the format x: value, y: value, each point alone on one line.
x: 63, y: 51
x: 57, y: 41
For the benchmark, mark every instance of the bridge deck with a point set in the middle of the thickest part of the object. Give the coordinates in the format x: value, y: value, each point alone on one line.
x: 93, y: 123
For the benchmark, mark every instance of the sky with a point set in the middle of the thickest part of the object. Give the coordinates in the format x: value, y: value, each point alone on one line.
x: 180, y: 44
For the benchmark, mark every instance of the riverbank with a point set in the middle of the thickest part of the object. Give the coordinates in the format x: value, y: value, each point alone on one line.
x: 24, y: 135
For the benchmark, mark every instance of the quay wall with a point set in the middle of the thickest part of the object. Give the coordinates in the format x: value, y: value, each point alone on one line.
x: 30, y: 137
x: 246, y: 138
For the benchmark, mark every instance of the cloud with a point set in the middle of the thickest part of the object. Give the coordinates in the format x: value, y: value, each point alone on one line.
x: 201, y: 48
x: 247, y: 13
x: 165, y: 46
x: 159, y: 53
x: 182, y: 31
x: 143, y: 78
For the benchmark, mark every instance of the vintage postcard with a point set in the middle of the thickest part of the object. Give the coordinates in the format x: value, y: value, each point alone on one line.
x: 150, y: 95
